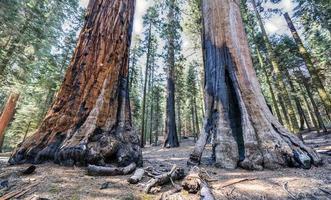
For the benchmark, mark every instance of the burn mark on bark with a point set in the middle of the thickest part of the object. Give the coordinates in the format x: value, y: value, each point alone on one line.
x: 89, y: 122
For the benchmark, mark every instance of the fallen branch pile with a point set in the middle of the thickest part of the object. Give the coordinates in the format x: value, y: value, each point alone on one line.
x: 174, y: 174
x: 196, y: 181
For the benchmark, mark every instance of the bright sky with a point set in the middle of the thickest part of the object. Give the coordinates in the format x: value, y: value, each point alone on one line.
x: 141, y: 7
x: 277, y: 24
x: 273, y: 25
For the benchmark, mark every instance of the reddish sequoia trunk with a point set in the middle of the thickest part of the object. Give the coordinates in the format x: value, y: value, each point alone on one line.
x: 90, y: 120
x: 7, y: 115
x: 244, y: 130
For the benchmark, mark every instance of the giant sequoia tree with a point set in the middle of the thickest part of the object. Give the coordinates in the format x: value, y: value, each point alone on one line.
x: 244, y: 130
x: 89, y: 121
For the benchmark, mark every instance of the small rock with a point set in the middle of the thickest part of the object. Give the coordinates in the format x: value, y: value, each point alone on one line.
x: 3, y: 184
x: 105, y: 185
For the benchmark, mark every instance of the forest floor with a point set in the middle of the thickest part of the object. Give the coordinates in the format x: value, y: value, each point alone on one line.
x: 57, y: 182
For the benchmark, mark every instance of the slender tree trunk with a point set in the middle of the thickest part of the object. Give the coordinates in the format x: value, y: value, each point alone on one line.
x: 7, y: 115
x: 271, y: 90
x: 281, y: 87
x: 90, y: 120
x: 157, y: 120
x: 285, y: 113
x: 193, y: 124
x: 302, y: 115
x: 171, y: 130
x: 324, y: 95
x: 315, y: 106
x: 152, y: 105
x: 179, y: 120
x: 46, y: 104
x: 310, y: 110
x: 237, y: 115
x: 143, y: 124
x: 26, y: 131
x: 196, y: 116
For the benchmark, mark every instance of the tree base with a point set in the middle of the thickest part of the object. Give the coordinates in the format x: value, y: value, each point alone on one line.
x: 101, y: 148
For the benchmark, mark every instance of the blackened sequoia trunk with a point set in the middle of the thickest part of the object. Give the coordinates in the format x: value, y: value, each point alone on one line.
x: 90, y: 120
x: 244, y: 130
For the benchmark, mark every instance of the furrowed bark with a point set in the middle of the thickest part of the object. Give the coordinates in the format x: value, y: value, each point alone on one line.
x: 7, y: 115
x: 90, y: 120
x: 171, y: 130
x: 245, y: 132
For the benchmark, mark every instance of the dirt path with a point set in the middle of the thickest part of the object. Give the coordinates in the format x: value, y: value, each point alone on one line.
x: 57, y: 182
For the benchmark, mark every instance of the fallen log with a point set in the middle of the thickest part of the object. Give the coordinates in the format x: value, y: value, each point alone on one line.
x: 174, y: 174
x: 197, y: 181
x: 192, y: 182
x: 205, y: 192
x: 137, y: 176
x: 94, y: 170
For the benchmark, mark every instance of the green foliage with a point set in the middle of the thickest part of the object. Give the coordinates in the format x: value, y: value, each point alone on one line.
x: 37, y: 40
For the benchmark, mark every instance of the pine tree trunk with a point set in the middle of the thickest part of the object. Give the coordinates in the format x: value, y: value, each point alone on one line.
x: 280, y: 85
x: 26, y: 131
x: 310, y: 110
x: 237, y: 115
x: 193, y: 123
x: 179, y: 119
x: 152, y: 106
x: 157, y: 120
x: 171, y: 130
x: 284, y: 110
x: 90, y: 120
x: 324, y: 95
x: 196, y: 116
x: 272, y: 93
x: 143, y: 118
x: 302, y: 115
x: 7, y: 115
x: 315, y: 111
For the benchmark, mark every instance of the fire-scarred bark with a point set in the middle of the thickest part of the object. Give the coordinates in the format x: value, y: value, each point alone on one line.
x: 244, y: 131
x: 90, y: 120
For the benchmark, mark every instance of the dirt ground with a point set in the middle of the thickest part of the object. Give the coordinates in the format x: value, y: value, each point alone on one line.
x: 57, y: 182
